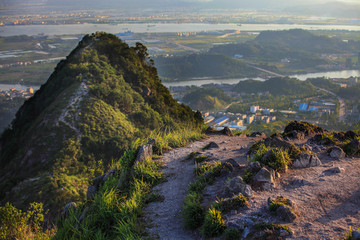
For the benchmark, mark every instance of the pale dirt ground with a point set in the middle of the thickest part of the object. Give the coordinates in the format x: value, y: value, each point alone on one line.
x: 326, y: 205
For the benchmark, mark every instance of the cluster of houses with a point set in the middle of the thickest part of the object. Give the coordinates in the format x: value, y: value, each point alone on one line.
x: 320, y: 106
x: 237, y: 121
x: 13, y: 93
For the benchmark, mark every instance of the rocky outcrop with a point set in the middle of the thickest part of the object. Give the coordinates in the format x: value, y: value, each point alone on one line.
x: 235, y: 186
x: 306, y: 160
x: 264, y: 179
x: 295, y: 127
x: 337, y: 153
x: 285, y: 213
x: 352, y: 148
x: 225, y: 131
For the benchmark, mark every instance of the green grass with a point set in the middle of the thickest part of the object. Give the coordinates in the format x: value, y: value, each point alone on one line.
x: 214, y: 224
x: 115, y: 212
x: 234, y: 203
x: 277, y: 202
x: 277, y: 159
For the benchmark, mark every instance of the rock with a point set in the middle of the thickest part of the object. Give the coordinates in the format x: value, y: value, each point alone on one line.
x: 90, y: 193
x: 337, y: 153
x: 236, y: 185
x: 283, y: 233
x: 257, y: 134
x: 233, y: 163
x: 302, y: 127
x: 278, y: 142
x: 296, y: 135
x: 355, y: 235
x: 285, y: 213
x: 253, y: 167
x: 98, y: 181
x: 305, y: 160
x: 212, y: 145
x: 227, y: 131
x: 145, y: 152
x: 71, y: 206
x: 263, y: 180
x: 332, y: 171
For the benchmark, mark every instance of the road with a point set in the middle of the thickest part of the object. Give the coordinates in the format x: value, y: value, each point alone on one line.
x: 342, y: 114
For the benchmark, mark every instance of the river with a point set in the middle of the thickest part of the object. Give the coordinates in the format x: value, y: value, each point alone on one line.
x: 199, y: 82
x: 203, y: 81
x: 157, y: 28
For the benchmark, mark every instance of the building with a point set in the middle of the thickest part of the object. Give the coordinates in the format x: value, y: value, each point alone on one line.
x: 267, y: 111
x: 250, y: 119
x: 253, y: 109
x: 303, y: 107
x: 209, y: 119
x: 220, y: 121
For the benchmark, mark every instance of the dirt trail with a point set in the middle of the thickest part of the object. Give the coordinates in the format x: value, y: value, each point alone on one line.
x: 164, y: 217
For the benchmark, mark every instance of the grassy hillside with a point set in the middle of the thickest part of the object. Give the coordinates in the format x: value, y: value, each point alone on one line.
x: 202, y: 65
x: 276, y: 86
x: 103, y: 97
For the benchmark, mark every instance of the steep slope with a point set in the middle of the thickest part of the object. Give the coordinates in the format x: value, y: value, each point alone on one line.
x: 104, y: 96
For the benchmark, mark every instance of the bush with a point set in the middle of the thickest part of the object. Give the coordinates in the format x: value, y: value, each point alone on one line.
x: 234, y: 203
x: 16, y: 224
x: 214, y: 223
x: 192, y: 212
x: 277, y: 202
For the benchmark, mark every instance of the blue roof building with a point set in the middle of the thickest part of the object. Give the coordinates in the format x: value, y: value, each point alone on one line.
x: 303, y: 107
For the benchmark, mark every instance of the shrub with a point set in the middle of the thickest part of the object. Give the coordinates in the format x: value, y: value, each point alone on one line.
x: 214, y: 223
x: 277, y: 202
x: 16, y: 224
x: 234, y: 203
x: 276, y: 159
x: 192, y: 212
x: 201, y: 159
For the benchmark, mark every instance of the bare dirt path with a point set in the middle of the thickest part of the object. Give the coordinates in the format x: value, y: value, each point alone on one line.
x: 164, y: 217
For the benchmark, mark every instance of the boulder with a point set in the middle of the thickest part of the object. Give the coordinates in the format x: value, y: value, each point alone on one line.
x: 236, y: 185
x: 332, y: 171
x: 305, y: 160
x: 337, y: 153
x: 286, y: 213
x: 227, y: 131
x: 296, y: 135
x: 145, y: 152
x: 212, y: 145
x: 90, y: 193
x: 303, y: 127
x: 233, y: 163
x: 253, y: 167
x: 263, y: 180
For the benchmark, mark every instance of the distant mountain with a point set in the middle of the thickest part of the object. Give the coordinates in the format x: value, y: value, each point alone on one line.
x: 103, y: 97
x: 298, y: 39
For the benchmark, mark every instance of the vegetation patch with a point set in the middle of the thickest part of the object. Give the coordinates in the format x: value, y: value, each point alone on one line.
x: 200, y: 159
x: 226, y: 205
x: 214, y: 224
x: 16, y: 224
x: 277, y: 202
